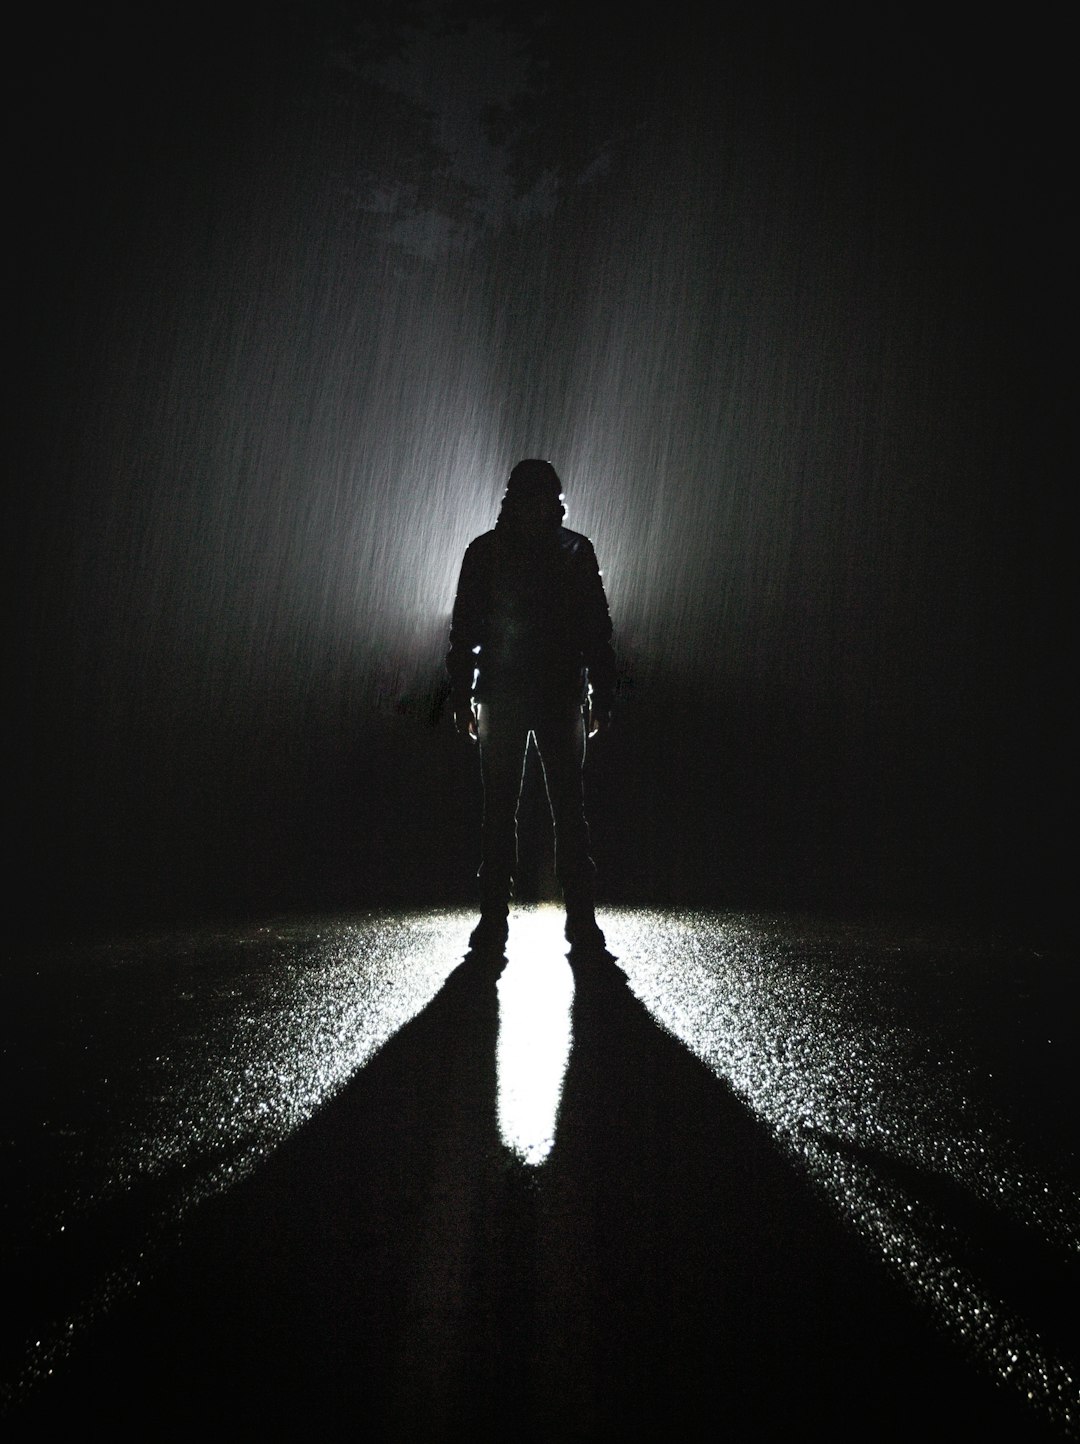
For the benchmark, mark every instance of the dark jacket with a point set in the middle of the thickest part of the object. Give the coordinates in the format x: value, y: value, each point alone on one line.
x: 531, y: 620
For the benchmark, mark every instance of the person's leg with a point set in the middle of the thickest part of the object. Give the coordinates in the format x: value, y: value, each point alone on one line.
x: 503, y: 733
x: 560, y: 740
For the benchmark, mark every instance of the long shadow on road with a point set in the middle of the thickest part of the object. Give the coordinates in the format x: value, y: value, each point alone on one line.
x: 392, y: 1269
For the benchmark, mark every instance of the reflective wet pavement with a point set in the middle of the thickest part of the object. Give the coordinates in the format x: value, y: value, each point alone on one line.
x: 764, y: 1172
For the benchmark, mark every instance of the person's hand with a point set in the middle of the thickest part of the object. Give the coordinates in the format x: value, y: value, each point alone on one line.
x: 465, y: 720
x: 599, y: 720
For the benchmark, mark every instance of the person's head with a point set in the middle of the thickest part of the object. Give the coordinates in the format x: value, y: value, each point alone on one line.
x: 533, y: 496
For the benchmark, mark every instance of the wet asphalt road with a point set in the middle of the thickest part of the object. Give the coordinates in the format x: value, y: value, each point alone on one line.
x: 761, y: 1173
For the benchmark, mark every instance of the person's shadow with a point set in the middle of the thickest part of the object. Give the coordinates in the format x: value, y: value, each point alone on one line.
x: 394, y: 1270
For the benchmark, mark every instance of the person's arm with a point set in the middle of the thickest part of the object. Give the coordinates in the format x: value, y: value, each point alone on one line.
x: 596, y: 649
x: 464, y: 638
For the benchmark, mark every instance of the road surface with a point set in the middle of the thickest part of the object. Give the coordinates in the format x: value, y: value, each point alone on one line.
x: 750, y: 1173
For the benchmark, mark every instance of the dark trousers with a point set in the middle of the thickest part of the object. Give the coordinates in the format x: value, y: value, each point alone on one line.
x: 503, y: 728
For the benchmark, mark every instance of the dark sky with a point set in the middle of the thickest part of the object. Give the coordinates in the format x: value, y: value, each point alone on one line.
x: 781, y: 298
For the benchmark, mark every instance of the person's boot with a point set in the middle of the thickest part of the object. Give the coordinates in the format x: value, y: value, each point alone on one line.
x: 490, y: 933
x: 582, y: 929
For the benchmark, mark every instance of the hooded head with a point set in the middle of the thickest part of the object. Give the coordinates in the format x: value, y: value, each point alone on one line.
x: 533, y: 498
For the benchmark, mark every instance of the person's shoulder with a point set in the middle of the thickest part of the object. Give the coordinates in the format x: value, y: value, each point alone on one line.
x: 480, y: 544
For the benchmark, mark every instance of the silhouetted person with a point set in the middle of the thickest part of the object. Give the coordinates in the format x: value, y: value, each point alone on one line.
x: 530, y: 653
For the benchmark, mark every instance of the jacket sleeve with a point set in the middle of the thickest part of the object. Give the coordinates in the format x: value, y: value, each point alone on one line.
x: 465, y: 628
x: 595, y: 622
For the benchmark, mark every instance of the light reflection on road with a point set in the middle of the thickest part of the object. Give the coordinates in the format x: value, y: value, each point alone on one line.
x: 536, y: 994
x: 801, y: 1032
x: 253, y: 1031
